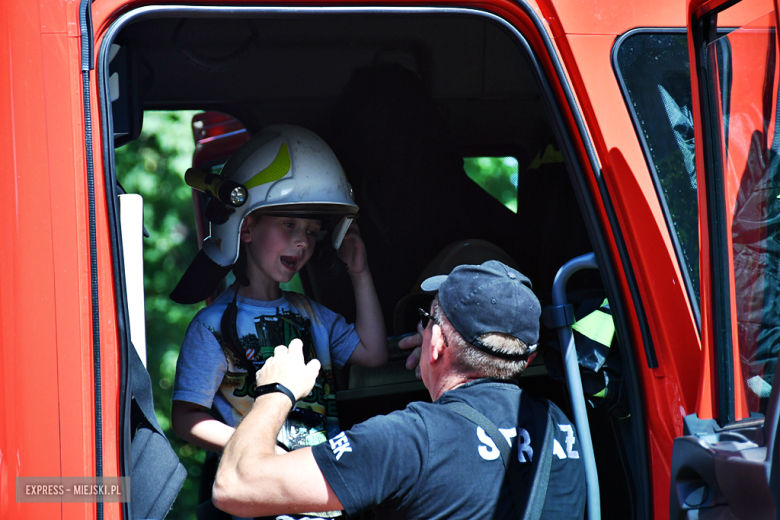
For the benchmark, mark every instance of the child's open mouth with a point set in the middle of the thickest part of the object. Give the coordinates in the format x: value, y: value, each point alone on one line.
x: 290, y: 262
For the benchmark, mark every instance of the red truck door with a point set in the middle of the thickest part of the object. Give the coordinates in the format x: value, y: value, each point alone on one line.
x: 727, y: 464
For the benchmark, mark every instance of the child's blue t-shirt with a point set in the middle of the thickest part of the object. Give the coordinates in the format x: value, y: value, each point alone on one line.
x: 208, y: 373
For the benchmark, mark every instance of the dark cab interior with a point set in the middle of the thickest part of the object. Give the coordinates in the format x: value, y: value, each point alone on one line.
x: 402, y: 97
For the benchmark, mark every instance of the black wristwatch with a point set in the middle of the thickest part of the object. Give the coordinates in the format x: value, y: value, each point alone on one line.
x: 275, y: 387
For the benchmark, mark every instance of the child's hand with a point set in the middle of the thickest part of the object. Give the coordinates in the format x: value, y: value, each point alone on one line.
x: 353, y: 251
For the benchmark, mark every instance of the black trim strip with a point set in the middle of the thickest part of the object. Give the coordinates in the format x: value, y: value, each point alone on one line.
x: 694, y: 301
x: 721, y: 288
x: 87, y: 36
x: 578, y: 177
x: 85, y: 25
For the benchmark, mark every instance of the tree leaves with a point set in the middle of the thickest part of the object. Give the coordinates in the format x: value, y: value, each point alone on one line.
x: 153, y: 166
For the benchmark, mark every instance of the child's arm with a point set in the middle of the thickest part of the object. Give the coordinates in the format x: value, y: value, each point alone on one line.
x: 369, y: 323
x: 195, y: 425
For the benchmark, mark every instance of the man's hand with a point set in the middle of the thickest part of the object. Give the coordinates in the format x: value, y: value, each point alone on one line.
x: 353, y: 251
x: 288, y: 368
x: 414, y: 342
x: 251, y: 479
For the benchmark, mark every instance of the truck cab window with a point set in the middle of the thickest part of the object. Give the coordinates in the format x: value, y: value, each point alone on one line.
x: 653, y: 69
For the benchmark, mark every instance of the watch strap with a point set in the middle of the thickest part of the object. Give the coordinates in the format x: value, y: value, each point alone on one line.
x: 276, y: 387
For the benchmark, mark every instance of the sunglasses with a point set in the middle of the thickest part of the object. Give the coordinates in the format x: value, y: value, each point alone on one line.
x: 425, y: 318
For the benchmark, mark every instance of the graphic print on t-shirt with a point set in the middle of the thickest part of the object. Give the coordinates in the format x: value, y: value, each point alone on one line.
x: 307, y: 424
x: 280, y: 329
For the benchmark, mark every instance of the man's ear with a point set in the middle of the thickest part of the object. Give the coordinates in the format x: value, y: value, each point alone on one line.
x: 437, y: 343
x: 246, y: 229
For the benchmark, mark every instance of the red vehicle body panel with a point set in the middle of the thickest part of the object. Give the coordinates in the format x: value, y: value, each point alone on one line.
x: 47, y: 412
x: 738, y: 15
x: 670, y: 389
x: 46, y: 364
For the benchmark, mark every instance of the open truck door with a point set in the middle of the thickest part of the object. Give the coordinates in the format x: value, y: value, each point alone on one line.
x: 726, y: 465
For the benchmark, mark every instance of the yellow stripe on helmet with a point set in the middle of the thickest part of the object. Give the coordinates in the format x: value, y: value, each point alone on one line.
x: 275, y: 171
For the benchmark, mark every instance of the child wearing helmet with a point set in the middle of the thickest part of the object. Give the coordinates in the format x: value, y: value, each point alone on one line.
x: 292, y: 183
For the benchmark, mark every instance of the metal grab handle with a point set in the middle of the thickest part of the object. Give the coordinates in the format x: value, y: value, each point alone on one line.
x: 566, y: 338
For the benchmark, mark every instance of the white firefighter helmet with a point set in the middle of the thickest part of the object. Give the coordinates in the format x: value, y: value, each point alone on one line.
x: 286, y: 169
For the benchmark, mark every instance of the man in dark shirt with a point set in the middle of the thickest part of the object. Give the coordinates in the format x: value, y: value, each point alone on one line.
x: 426, y: 461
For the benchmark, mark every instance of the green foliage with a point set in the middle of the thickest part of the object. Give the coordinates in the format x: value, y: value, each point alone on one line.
x: 496, y: 175
x: 153, y: 166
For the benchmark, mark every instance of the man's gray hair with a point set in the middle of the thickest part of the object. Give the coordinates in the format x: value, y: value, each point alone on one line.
x: 470, y: 360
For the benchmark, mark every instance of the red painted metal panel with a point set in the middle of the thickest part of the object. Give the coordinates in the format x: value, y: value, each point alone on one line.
x: 743, y: 98
x: 599, y: 17
x: 70, y: 244
x: 46, y: 403
x: 31, y: 440
x: 751, y: 112
x: 53, y: 17
x: 670, y: 390
x: 33, y: 262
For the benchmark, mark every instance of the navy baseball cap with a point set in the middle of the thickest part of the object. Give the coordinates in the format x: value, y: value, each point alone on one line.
x: 491, y: 297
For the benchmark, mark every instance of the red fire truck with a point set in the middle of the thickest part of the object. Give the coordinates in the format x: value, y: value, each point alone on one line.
x: 642, y: 163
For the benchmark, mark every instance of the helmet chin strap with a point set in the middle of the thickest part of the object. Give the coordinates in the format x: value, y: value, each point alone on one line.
x: 239, y: 268
x: 228, y: 325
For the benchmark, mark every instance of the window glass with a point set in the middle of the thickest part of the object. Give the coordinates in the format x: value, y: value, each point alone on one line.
x: 654, y: 72
x: 742, y: 69
x: 496, y: 175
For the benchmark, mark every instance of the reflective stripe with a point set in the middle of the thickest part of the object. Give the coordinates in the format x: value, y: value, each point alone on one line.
x: 597, y: 326
x: 549, y: 156
x: 275, y: 171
